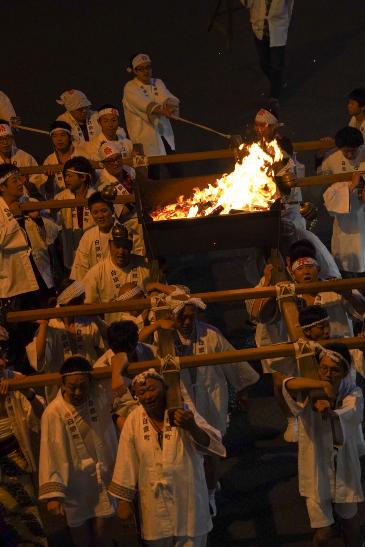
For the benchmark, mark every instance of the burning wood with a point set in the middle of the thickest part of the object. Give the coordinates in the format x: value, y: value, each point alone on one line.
x: 250, y: 187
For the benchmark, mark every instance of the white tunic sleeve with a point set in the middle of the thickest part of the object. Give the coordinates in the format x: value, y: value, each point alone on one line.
x: 239, y: 375
x: 90, y: 282
x: 351, y: 413
x: 81, y: 263
x: 126, y: 470
x: 53, y: 462
x: 337, y: 198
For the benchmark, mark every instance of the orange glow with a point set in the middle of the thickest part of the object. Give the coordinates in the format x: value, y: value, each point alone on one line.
x: 250, y: 187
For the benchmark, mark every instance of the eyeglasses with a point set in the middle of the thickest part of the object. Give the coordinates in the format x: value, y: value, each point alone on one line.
x: 333, y: 371
x: 145, y: 68
x: 113, y: 160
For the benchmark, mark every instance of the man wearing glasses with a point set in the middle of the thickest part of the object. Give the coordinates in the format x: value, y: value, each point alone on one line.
x: 147, y: 106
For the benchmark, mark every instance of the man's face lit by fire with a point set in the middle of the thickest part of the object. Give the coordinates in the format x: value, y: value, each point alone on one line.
x: 185, y: 320
x: 265, y: 131
x: 120, y: 255
x: 349, y: 152
x: 306, y: 273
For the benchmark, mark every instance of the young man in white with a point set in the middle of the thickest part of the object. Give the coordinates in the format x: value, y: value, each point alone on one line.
x: 103, y: 283
x: 94, y: 244
x: 356, y: 109
x: 11, y: 154
x: 64, y: 149
x: 78, y: 448
x: 108, y: 118
x: 163, y: 463
x: 147, y: 105
x: 117, y: 178
x: 20, y: 414
x: 343, y: 201
x: 329, y: 467
x: 58, y: 339
x: 18, y: 276
x: 78, y: 175
x: 83, y: 121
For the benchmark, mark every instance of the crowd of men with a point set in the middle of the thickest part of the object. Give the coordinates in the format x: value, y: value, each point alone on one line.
x: 108, y: 448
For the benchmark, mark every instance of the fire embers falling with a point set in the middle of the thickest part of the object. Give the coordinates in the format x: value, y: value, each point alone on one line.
x: 250, y: 187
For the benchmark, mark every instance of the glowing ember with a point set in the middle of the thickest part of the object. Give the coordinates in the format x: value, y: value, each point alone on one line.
x: 250, y: 187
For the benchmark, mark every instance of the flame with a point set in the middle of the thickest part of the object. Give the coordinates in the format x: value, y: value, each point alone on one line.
x: 250, y: 187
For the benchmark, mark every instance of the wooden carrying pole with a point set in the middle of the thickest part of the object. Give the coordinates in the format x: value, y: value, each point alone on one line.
x: 336, y: 285
x: 191, y: 361
x: 68, y: 203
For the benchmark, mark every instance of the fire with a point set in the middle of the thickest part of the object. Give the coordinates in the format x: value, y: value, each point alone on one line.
x: 250, y: 187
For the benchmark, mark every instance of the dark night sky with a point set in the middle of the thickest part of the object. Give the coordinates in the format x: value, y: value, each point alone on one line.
x: 62, y: 43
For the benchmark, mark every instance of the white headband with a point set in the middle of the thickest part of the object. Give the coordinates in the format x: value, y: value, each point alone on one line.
x: 5, y: 130
x: 139, y: 60
x: 178, y: 305
x: 73, y: 99
x: 335, y: 356
x: 70, y: 170
x: 264, y: 116
x: 305, y: 261
x: 129, y: 294
x: 140, y: 379
x: 105, y: 111
x: 8, y: 175
x: 315, y: 323
x: 60, y: 129
x: 72, y: 291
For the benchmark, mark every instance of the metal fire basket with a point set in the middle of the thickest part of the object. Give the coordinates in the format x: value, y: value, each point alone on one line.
x: 189, y: 235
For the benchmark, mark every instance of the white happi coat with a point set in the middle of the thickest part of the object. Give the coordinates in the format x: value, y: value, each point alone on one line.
x: 92, y: 124
x: 61, y: 344
x: 6, y: 108
x: 360, y: 127
x: 93, y: 248
x: 16, y: 272
x: 21, y: 158
x: 208, y: 386
x: 71, y: 233
x: 326, y: 473
x: 23, y: 420
x: 138, y: 99
x: 170, y: 482
x: 348, y: 235
x: 74, y: 469
x: 91, y: 148
x: 39, y: 243
x: 278, y: 18
x: 104, y: 281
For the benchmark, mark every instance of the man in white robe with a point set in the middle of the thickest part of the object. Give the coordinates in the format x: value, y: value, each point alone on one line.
x: 78, y: 175
x: 103, y: 283
x: 164, y: 464
x: 58, y: 339
x: 356, y: 109
x: 11, y: 154
x: 64, y: 150
x: 83, y: 121
x: 116, y: 178
x: 147, y: 106
x: 17, y: 272
x: 78, y: 447
x: 108, y: 118
x: 343, y: 201
x: 20, y: 414
x: 328, y: 466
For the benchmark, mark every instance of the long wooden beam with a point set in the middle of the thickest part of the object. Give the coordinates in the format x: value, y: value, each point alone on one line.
x: 191, y: 361
x: 177, y: 158
x: 68, y: 203
x: 138, y: 304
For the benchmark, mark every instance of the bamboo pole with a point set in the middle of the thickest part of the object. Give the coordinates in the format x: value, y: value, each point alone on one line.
x: 191, y: 361
x: 68, y: 203
x: 31, y: 129
x: 139, y: 304
x: 326, y: 179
